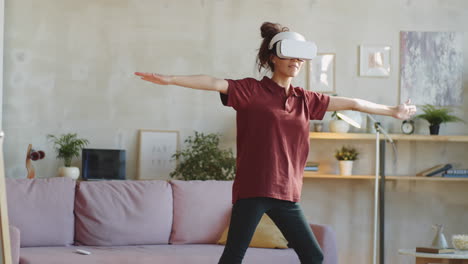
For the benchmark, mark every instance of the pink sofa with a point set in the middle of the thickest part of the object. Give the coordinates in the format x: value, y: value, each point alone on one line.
x: 130, y: 222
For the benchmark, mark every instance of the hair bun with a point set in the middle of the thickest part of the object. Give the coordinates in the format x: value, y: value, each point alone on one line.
x: 269, y: 30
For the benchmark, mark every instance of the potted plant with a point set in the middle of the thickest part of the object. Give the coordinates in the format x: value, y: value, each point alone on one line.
x: 67, y: 147
x: 337, y: 124
x: 202, y: 159
x: 346, y: 156
x: 436, y: 116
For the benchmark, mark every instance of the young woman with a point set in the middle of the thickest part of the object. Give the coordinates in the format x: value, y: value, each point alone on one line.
x: 273, y: 144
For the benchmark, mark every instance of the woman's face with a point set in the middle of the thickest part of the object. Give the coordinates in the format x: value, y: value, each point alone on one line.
x: 287, y: 67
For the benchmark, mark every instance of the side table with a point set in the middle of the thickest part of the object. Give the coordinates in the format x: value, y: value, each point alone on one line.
x: 459, y: 257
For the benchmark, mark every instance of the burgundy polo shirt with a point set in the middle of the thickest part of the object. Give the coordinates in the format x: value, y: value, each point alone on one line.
x: 272, y: 136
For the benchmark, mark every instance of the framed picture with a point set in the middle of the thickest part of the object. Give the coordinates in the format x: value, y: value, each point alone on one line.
x: 321, y: 73
x: 374, y: 61
x: 431, y: 67
x: 155, y: 150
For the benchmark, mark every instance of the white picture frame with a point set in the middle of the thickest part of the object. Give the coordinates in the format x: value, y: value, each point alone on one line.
x: 155, y: 150
x: 374, y: 61
x: 321, y: 73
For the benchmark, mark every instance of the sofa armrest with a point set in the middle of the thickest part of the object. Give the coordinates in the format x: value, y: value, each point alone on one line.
x: 326, y: 238
x: 14, y: 244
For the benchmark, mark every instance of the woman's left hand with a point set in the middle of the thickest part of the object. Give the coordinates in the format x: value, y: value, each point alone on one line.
x: 405, y: 111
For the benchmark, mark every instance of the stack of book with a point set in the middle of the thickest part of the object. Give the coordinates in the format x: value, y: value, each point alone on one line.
x: 311, y: 166
x: 458, y: 173
x: 437, y: 170
x: 435, y: 250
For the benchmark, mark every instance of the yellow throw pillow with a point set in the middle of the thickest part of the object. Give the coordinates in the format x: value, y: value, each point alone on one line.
x: 267, y: 235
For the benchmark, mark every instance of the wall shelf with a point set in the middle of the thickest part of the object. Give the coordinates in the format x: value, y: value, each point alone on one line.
x: 314, y: 175
x: 370, y: 136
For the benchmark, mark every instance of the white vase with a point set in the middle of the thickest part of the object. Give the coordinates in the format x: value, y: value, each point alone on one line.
x: 346, y: 167
x: 338, y: 126
x: 70, y: 172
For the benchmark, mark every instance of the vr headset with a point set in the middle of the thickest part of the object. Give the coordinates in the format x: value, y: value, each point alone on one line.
x: 292, y: 45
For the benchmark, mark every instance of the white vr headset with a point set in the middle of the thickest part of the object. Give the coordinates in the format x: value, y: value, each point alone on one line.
x: 292, y: 45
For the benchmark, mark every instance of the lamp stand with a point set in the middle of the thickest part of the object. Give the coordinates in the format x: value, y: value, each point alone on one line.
x: 379, y: 194
x: 376, y: 192
x: 379, y: 191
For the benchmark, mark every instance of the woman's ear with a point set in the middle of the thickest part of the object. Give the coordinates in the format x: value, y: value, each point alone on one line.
x: 272, y: 58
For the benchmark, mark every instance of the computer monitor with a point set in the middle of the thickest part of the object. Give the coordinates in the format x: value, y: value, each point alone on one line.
x: 103, y: 164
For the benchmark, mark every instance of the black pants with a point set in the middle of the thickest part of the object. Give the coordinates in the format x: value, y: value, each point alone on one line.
x: 288, y: 216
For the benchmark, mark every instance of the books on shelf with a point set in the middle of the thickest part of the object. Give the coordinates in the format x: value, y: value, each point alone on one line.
x: 311, y: 166
x: 457, y: 171
x: 433, y: 171
x: 447, y: 175
x: 435, y: 250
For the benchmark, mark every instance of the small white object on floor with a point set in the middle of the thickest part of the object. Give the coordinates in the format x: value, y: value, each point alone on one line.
x: 82, y: 252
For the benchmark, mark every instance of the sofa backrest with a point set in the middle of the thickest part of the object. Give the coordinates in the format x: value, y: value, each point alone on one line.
x: 115, y: 213
x: 42, y: 209
x: 201, y: 211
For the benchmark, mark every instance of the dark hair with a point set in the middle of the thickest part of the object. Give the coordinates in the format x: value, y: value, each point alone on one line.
x: 268, y: 31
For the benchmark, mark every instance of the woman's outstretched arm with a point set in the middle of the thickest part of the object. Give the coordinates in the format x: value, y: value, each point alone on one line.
x: 402, y: 111
x: 200, y: 82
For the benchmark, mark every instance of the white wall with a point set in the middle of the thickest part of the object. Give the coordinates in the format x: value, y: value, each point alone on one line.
x: 69, y: 66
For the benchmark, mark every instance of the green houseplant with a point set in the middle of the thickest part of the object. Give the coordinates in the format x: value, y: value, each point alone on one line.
x: 67, y: 147
x: 436, y: 116
x: 346, y: 156
x: 202, y: 159
x: 346, y: 153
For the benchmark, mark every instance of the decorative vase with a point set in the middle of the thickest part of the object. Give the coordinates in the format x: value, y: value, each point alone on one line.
x: 346, y: 167
x: 338, y: 126
x: 434, y: 129
x: 70, y: 172
x: 439, y: 239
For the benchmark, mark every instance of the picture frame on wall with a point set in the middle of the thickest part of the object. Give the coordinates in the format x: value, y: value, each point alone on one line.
x: 321, y: 73
x: 374, y: 61
x: 431, y: 67
x: 155, y: 150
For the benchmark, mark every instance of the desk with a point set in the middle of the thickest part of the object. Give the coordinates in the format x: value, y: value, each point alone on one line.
x: 459, y: 257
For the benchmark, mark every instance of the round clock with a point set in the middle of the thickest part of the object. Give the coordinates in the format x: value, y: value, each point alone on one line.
x: 407, y: 127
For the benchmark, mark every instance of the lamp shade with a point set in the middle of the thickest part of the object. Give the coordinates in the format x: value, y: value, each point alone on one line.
x: 351, y: 117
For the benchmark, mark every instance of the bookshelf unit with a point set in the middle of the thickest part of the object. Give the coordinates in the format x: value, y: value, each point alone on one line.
x: 371, y: 137
x: 316, y: 175
x: 356, y: 137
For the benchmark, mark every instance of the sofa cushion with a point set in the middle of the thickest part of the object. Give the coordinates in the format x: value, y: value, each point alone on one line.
x: 15, y: 244
x: 114, y: 213
x: 42, y: 209
x: 267, y: 235
x: 201, y: 211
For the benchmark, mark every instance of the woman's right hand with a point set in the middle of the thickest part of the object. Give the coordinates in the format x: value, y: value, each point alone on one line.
x: 154, y: 78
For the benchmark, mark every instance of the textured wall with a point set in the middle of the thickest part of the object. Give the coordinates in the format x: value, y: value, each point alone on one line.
x: 69, y: 65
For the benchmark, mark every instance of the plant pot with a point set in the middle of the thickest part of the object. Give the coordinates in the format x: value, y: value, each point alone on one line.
x: 346, y: 167
x: 434, y: 129
x: 70, y: 172
x: 338, y: 126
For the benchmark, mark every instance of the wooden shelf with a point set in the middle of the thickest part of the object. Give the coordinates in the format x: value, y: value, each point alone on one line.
x: 369, y: 136
x: 315, y: 175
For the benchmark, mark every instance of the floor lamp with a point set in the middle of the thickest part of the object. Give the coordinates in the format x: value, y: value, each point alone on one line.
x: 378, y: 196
